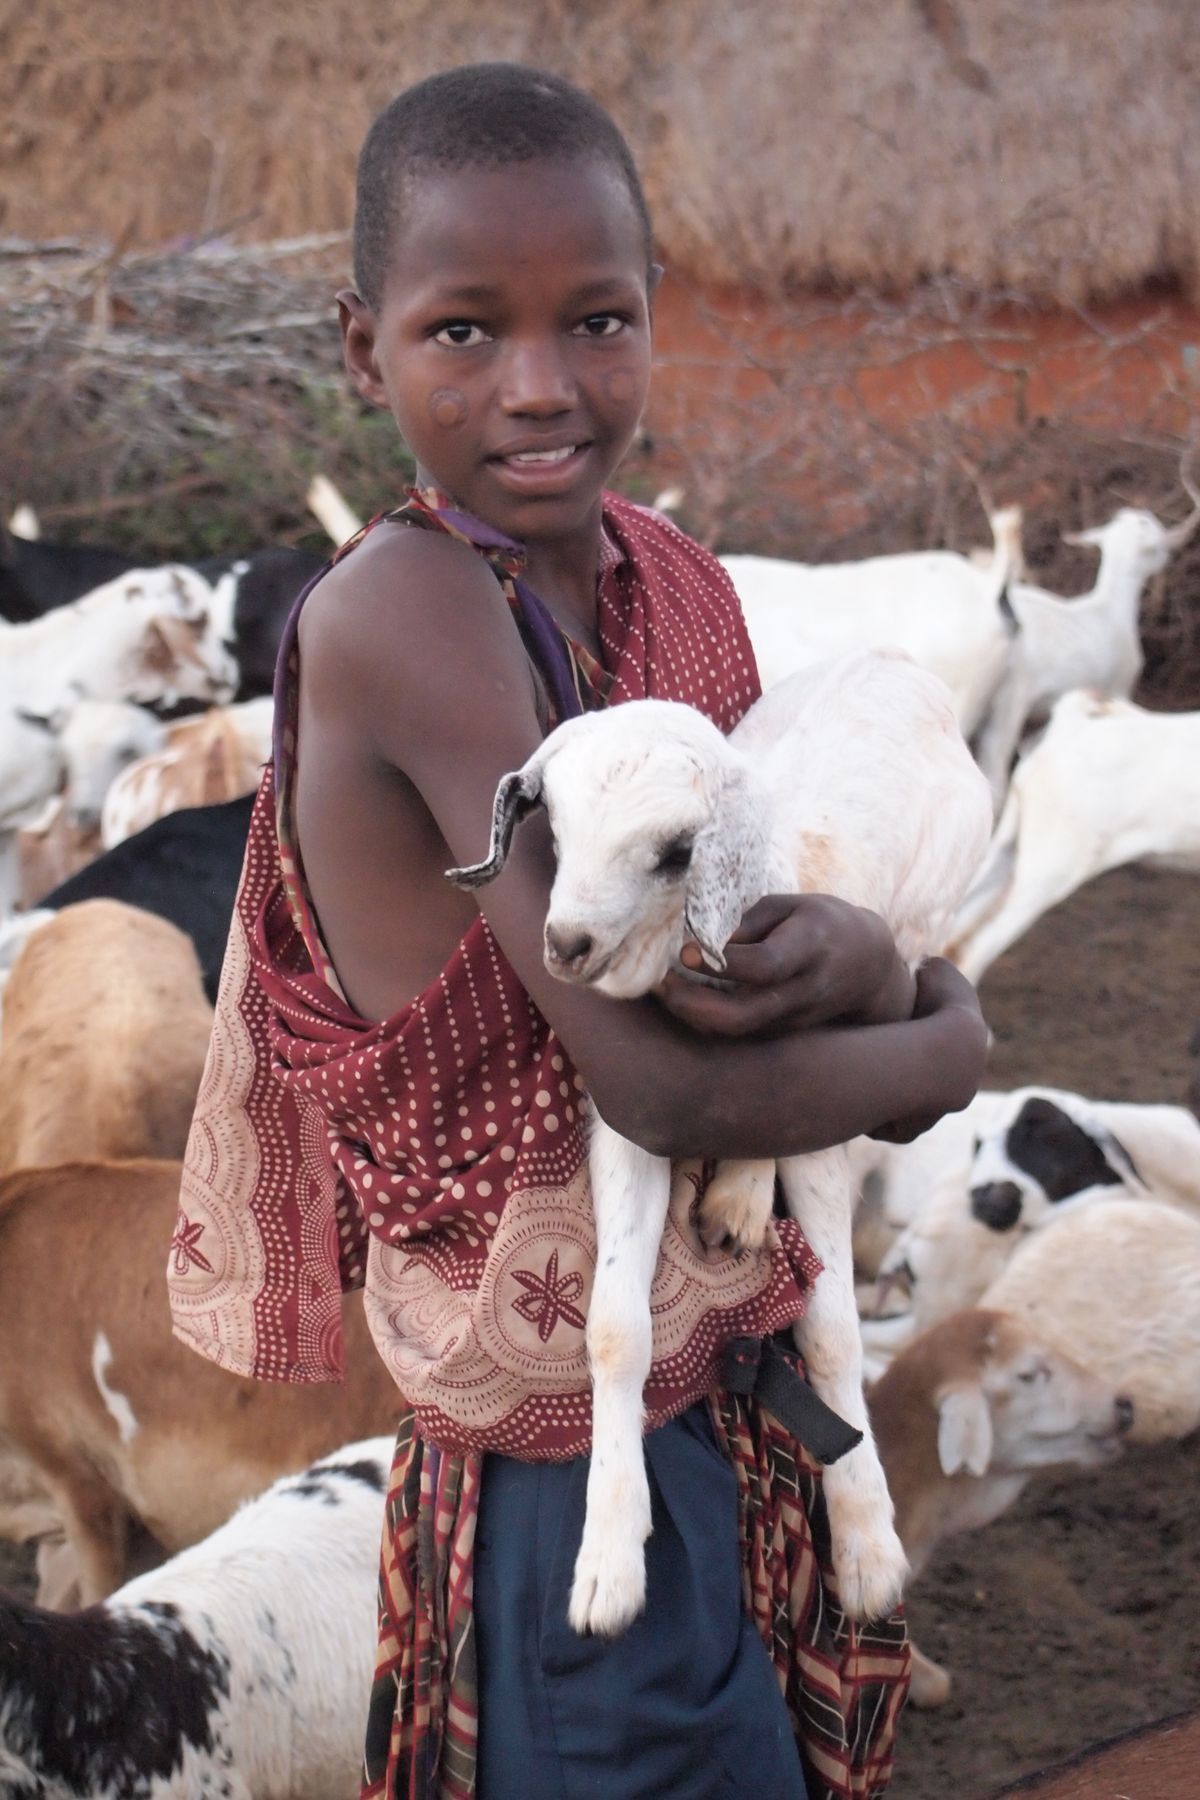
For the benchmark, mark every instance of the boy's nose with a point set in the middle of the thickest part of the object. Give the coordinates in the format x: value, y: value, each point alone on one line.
x: 537, y: 381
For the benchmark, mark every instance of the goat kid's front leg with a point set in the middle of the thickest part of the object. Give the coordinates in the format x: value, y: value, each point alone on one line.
x: 630, y: 1192
x: 868, y: 1557
x: 737, y: 1205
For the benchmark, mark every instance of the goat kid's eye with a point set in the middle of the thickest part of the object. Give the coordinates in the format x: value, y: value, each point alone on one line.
x: 460, y: 334
x: 599, y: 325
x: 674, y: 860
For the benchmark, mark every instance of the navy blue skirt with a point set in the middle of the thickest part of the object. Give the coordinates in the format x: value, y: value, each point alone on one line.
x: 685, y: 1704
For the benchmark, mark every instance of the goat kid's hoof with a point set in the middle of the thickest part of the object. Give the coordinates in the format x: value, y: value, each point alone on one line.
x: 871, y: 1570
x: 735, y: 1213
x: 609, y: 1590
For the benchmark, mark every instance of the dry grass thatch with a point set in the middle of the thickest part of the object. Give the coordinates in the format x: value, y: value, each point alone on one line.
x: 1054, y: 148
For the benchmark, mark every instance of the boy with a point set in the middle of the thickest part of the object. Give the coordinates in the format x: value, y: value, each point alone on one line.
x: 394, y: 1092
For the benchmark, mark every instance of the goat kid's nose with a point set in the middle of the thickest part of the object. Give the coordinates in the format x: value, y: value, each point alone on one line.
x: 997, y: 1204
x: 1123, y: 1412
x: 568, y: 948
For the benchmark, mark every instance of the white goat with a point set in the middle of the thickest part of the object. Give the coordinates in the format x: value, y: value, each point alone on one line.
x: 1091, y: 642
x: 241, y: 1667
x: 950, y: 616
x: 1108, y: 783
x: 1037, y: 1154
x: 851, y: 779
x: 216, y: 756
x: 146, y: 636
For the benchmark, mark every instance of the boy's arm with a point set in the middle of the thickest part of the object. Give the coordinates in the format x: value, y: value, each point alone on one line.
x: 426, y: 655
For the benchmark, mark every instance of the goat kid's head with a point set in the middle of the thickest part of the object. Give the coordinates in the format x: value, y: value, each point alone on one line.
x: 1029, y: 1406
x: 656, y: 836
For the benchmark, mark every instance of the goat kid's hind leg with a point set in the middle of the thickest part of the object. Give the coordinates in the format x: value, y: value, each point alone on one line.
x: 630, y: 1191
x: 868, y: 1557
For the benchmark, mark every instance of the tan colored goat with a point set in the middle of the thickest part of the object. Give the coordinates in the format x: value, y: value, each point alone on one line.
x: 964, y: 1416
x: 121, y: 1421
x: 106, y: 1029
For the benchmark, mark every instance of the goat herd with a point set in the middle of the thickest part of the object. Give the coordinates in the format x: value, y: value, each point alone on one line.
x: 979, y: 1250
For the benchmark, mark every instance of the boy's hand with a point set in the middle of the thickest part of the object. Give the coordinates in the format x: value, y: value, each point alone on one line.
x: 796, y: 961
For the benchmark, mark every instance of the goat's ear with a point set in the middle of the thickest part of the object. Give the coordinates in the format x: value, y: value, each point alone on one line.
x: 1092, y: 538
x: 964, y: 1431
x: 516, y: 797
x: 717, y: 877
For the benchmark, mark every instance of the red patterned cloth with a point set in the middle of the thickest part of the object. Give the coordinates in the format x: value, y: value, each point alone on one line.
x: 437, y: 1158
x: 453, y: 1131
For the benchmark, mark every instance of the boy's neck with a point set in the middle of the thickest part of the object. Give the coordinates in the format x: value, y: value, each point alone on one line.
x: 564, y: 575
x: 563, y: 572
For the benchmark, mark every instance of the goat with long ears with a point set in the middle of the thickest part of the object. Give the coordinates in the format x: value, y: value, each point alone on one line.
x: 851, y: 778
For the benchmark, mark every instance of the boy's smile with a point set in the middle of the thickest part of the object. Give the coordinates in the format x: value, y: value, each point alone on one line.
x: 512, y: 341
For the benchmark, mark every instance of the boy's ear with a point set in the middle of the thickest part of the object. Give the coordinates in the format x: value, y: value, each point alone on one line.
x: 357, y: 323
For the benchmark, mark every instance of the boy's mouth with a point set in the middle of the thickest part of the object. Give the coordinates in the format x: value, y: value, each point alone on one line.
x: 540, y: 467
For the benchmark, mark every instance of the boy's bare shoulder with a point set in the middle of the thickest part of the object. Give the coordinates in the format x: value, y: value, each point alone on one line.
x: 405, y: 617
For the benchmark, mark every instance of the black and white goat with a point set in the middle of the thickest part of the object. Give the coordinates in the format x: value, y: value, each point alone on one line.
x: 241, y: 1668
x: 851, y: 778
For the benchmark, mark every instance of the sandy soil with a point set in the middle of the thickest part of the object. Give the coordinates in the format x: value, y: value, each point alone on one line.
x: 1078, y: 1614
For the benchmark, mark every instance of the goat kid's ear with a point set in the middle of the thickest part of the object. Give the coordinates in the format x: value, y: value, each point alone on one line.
x: 516, y: 797
x: 964, y: 1432
x: 1091, y: 539
x: 716, y: 883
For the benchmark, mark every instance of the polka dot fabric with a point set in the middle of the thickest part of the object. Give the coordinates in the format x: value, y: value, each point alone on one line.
x: 446, y: 1144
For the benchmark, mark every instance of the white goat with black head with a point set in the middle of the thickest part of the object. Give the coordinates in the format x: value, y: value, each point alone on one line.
x: 850, y: 778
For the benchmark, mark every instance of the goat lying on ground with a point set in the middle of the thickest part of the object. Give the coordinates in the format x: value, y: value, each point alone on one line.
x: 1117, y: 1285
x: 1108, y: 783
x: 956, y: 1203
x: 851, y: 779
x: 240, y: 1668
x: 963, y: 1418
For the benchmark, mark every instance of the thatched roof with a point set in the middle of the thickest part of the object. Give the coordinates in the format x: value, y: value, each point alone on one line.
x: 1049, y: 147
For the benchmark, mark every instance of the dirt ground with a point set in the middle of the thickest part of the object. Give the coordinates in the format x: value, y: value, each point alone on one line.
x: 1076, y: 1615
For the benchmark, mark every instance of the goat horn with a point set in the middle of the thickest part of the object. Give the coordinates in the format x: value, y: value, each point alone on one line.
x: 517, y: 795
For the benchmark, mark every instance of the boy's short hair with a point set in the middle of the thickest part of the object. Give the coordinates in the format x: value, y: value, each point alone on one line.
x: 481, y: 116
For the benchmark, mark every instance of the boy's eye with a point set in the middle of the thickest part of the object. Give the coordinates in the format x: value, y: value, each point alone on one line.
x: 460, y: 334
x: 600, y: 325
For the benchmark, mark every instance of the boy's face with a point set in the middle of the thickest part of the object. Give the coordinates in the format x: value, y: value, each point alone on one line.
x: 512, y: 342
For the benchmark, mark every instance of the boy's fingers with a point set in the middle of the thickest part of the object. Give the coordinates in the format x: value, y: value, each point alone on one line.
x: 721, y: 1012
x: 763, y: 917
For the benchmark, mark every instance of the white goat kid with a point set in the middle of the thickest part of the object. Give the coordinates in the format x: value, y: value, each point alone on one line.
x: 1090, y: 642
x: 849, y: 779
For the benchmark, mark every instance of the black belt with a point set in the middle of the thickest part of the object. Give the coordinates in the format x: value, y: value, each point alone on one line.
x: 763, y: 1370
